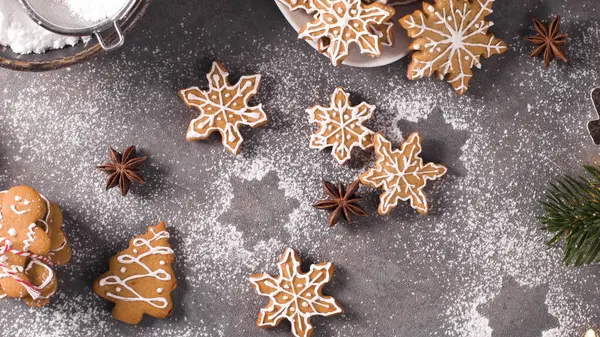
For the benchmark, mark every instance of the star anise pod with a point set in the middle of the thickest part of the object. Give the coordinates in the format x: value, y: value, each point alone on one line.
x: 343, y: 203
x: 549, y: 41
x: 123, y: 169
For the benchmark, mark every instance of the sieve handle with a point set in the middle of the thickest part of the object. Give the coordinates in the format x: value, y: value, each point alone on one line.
x: 117, y: 44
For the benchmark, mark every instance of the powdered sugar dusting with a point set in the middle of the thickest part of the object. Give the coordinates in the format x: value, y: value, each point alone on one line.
x: 229, y: 217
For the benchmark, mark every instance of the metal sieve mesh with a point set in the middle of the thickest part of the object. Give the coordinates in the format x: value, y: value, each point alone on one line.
x: 56, y: 16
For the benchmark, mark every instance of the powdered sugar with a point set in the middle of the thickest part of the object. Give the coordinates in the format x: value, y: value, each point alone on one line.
x: 23, y: 35
x: 96, y: 10
x: 400, y: 275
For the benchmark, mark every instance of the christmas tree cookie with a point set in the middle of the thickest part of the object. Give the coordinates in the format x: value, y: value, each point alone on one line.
x: 140, y: 279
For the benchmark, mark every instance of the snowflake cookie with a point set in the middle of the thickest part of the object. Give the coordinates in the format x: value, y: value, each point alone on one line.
x: 401, y: 174
x: 224, y: 107
x: 140, y: 279
x: 292, y: 5
x: 341, y: 126
x: 450, y: 37
x: 294, y: 295
x: 345, y: 22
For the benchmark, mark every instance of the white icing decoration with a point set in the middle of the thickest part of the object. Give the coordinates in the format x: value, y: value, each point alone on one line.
x: 30, y: 237
x: 159, y: 290
x: 329, y: 23
x: 223, y: 106
x: 159, y: 274
x: 123, y: 269
x: 297, y: 4
x: 14, y: 209
x: 391, y: 170
x: 12, y: 232
x: 454, y: 41
x: 46, y: 280
x: 339, y: 124
x: 289, y: 273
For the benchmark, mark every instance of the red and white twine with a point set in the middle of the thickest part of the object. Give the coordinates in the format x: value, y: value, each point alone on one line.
x: 5, y: 248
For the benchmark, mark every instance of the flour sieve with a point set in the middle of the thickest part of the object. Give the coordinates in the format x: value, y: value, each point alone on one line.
x: 57, y: 17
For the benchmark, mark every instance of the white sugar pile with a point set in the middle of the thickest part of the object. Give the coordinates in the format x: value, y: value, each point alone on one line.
x: 95, y: 10
x: 23, y: 35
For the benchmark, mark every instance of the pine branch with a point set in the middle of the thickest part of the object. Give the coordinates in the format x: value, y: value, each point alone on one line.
x: 572, y: 216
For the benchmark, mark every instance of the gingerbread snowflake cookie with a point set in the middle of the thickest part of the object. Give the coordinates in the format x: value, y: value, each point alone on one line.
x: 341, y: 126
x: 401, y: 174
x: 338, y: 24
x: 292, y: 5
x: 224, y: 107
x: 449, y: 38
x: 294, y: 295
x: 32, y: 243
x: 140, y: 278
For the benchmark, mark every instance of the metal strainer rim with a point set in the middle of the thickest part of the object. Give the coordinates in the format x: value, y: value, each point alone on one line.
x: 96, y: 28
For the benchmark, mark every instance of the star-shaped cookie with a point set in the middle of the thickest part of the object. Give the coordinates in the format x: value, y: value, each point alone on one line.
x: 224, y: 107
x: 294, y: 295
x: 346, y: 22
x: 449, y: 38
x: 341, y: 126
x: 401, y: 174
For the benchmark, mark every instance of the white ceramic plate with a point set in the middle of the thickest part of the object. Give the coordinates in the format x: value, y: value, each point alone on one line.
x: 298, y: 18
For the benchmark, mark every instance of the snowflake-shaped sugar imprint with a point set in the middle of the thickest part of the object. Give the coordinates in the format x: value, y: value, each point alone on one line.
x: 341, y: 126
x: 294, y: 295
x: 401, y: 174
x: 224, y: 107
x: 346, y: 22
x: 450, y: 37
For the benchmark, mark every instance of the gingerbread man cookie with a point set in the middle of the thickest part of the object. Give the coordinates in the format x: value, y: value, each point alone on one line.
x: 401, y: 174
x: 140, y: 279
x: 224, y: 107
x: 30, y: 230
x: 294, y: 295
x: 449, y: 38
x: 341, y: 126
x: 343, y: 23
x: 60, y: 251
